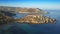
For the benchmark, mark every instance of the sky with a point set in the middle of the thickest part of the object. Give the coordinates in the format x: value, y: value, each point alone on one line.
x: 42, y: 4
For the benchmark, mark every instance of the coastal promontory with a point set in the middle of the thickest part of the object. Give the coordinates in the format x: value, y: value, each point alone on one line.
x: 34, y: 15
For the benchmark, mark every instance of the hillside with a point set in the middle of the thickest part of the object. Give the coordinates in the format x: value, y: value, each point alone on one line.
x: 22, y: 10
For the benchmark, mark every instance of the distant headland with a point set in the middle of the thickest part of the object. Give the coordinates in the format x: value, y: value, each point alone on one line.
x: 22, y: 10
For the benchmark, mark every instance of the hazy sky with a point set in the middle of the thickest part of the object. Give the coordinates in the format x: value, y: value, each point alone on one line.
x: 43, y: 4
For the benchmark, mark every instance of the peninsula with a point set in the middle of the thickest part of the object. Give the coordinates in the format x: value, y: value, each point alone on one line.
x: 35, y: 15
x: 36, y: 19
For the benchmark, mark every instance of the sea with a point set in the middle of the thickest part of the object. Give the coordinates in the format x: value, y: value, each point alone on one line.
x: 23, y: 28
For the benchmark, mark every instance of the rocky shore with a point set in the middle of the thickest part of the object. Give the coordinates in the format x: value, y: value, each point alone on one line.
x: 36, y: 19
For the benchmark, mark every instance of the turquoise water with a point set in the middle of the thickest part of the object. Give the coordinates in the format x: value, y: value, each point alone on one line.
x: 17, y: 28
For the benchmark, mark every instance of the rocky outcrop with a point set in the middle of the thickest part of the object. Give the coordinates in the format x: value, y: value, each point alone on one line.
x: 36, y: 19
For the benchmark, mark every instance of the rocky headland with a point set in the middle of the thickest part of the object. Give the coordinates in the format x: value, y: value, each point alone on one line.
x: 35, y: 15
x: 36, y: 19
